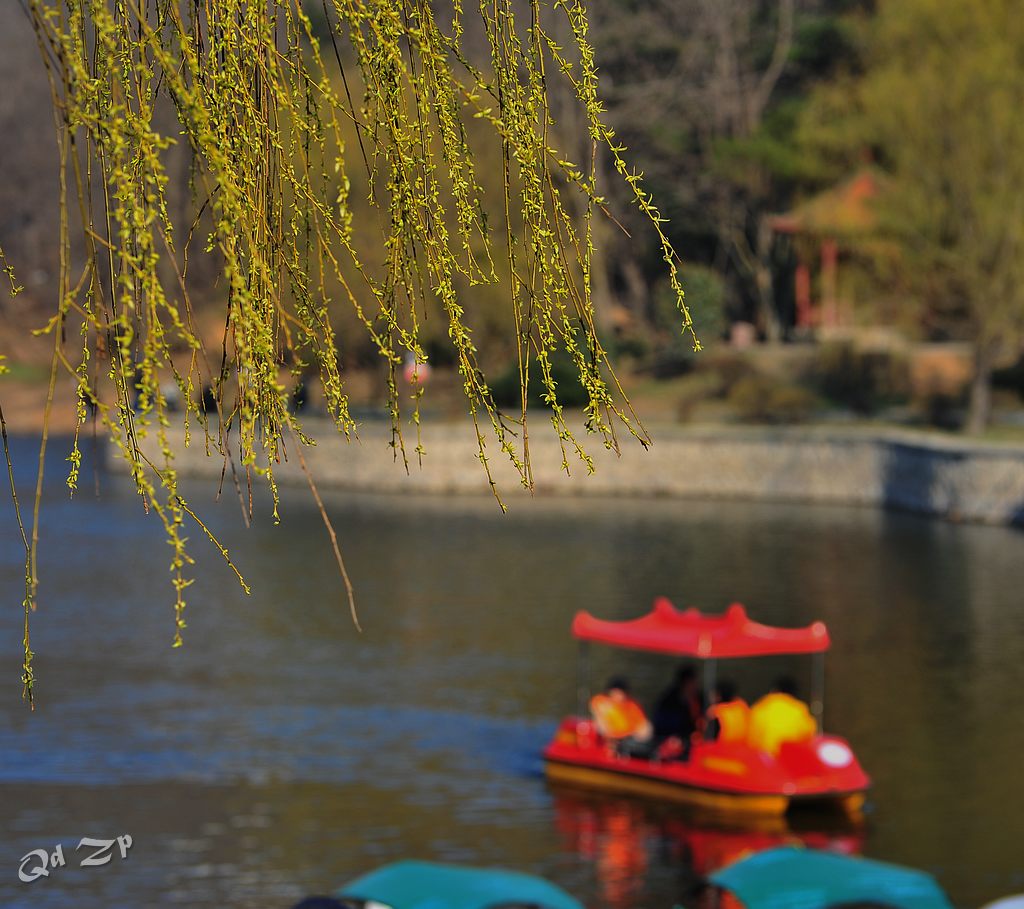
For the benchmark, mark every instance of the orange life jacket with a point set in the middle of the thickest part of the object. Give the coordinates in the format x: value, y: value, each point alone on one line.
x: 616, y: 719
x: 733, y: 720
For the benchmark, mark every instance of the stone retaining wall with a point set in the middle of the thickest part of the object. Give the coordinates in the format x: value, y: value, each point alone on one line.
x: 921, y: 473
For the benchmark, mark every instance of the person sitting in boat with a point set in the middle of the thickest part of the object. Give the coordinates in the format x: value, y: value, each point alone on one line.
x: 728, y: 717
x: 621, y: 720
x: 679, y: 710
x: 779, y: 717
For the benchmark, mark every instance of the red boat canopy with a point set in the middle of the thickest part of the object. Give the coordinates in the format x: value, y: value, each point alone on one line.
x: 692, y: 633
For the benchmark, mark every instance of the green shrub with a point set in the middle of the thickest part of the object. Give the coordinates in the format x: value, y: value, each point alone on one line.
x: 694, y: 390
x: 571, y: 393
x: 763, y: 399
x: 672, y: 353
x: 629, y: 346
x: 728, y: 368
x: 714, y: 377
x: 861, y: 380
x: 941, y: 410
x: 1010, y: 378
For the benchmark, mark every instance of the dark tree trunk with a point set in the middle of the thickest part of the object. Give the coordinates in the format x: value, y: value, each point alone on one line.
x: 765, y: 290
x: 601, y: 294
x: 979, y: 410
x: 638, y: 293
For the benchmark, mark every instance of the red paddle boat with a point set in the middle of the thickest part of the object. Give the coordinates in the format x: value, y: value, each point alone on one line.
x: 728, y: 777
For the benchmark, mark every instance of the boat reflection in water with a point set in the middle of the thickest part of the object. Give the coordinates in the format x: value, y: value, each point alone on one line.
x: 625, y: 838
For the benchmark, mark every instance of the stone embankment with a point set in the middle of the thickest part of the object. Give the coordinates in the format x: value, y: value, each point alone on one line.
x: 932, y: 475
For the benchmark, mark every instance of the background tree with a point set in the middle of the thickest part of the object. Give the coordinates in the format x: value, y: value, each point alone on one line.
x: 707, y: 93
x: 938, y: 104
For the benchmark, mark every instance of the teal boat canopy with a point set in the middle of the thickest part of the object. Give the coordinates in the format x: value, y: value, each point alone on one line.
x: 794, y: 878
x: 429, y: 885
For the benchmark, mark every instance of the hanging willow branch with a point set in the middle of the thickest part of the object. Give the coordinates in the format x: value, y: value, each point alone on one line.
x: 268, y: 113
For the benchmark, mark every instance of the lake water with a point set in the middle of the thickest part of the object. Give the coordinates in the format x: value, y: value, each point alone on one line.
x: 281, y: 752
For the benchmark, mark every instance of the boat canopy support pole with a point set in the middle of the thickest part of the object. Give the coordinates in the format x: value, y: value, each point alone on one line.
x: 583, y: 680
x: 710, y: 667
x: 818, y: 689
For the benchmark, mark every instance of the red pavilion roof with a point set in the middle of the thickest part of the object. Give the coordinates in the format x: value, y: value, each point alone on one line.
x: 692, y: 633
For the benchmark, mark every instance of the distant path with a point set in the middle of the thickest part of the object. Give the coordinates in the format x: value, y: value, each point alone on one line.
x: 919, y: 472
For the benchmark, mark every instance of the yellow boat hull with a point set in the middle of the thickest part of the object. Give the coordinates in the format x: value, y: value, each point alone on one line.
x: 627, y: 784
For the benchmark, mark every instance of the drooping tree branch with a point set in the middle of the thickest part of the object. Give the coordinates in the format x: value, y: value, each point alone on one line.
x: 268, y: 118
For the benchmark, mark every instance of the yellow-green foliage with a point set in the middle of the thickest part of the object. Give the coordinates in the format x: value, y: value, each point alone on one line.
x: 8, y: 270
x: 269, y: 117
x: 938, y: 101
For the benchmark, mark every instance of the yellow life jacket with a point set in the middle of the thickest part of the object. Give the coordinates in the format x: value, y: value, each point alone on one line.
x: 778, y: 718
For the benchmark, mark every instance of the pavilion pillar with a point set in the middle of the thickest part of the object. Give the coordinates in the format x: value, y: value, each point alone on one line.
x: 829, y: 282
x: 802, y: 292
